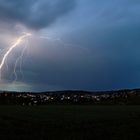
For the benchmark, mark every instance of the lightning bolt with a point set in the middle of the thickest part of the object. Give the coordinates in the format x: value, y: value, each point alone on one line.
x: 18, y: 41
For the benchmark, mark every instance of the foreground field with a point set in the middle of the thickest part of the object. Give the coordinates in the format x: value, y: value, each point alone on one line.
x: 70, y: 122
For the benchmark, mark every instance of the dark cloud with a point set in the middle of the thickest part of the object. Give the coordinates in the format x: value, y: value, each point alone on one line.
x: 35, y: 14
x: 98, y: 47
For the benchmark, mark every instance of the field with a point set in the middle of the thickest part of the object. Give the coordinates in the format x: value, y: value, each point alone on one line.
x: 59, y: 122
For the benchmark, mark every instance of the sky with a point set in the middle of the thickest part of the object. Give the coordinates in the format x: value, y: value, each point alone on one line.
x: 75, y: 44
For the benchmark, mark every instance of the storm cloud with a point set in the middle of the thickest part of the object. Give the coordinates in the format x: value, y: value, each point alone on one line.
x: 91, y: 44
x: 35, y: 14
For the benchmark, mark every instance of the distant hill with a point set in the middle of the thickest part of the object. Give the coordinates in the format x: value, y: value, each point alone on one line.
x: 122, y: 97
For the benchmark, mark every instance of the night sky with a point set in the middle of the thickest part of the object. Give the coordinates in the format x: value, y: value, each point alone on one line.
x: 75, y: 44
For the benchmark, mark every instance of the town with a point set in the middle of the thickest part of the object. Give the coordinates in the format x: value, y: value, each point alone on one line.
x: 121, y: 97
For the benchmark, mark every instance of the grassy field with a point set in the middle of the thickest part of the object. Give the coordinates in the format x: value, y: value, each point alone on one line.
x: 69, y: 122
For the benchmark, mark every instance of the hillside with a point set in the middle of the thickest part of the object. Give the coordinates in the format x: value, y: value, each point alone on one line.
x: 122, y: 97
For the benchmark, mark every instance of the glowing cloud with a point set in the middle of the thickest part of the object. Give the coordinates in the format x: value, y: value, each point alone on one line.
x: 18, y: 41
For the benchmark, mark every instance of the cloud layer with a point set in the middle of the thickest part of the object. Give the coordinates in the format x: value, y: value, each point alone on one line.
x: 35, y: 14
x: 98, y: 47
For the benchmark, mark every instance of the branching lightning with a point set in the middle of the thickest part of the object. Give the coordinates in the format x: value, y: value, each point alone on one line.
x: 19, y: 59
x: 18, y: 41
